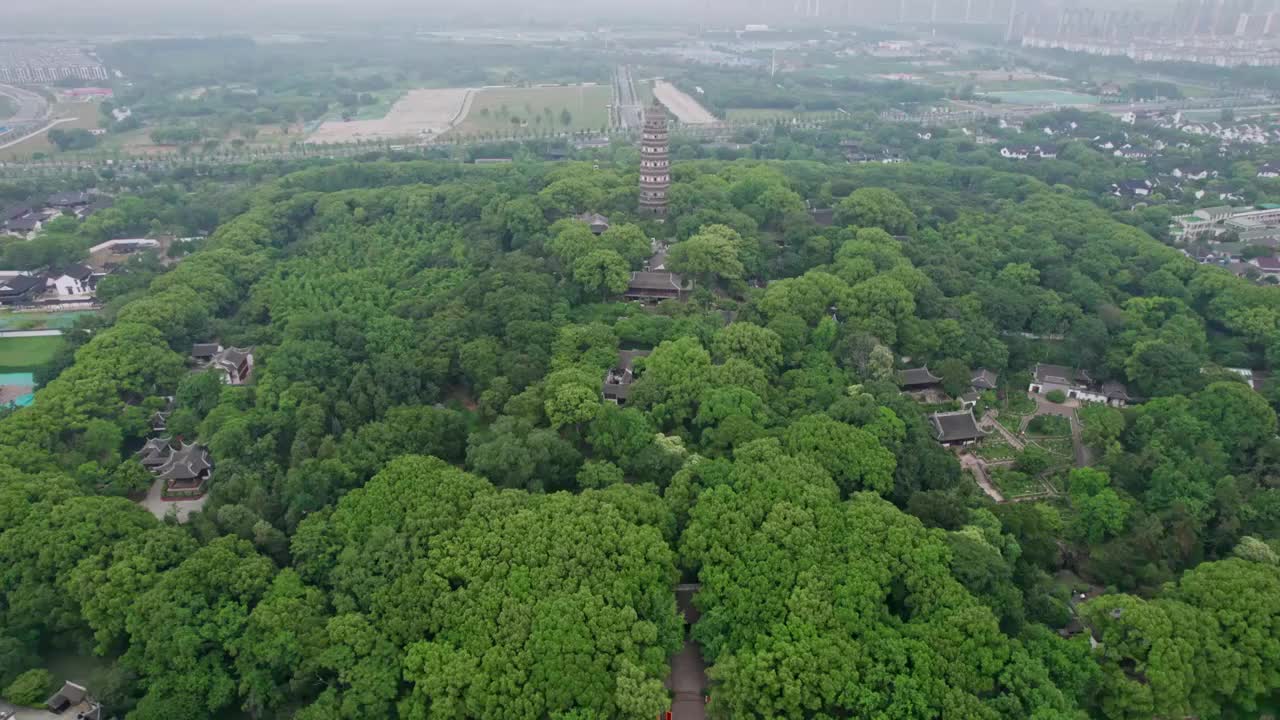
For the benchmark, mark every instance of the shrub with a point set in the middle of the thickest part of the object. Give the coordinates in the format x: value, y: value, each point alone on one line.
x: 31, y: 688
x: 1051, y: 425
x: 1056, y: 396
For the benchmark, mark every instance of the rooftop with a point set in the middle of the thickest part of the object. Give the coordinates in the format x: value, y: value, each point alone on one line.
x: 916, y: 377
x: 955, y: 426
x: 656, y: 281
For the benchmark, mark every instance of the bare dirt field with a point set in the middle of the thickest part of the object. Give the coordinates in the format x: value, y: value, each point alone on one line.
x: 419, y: 114
x: 685, y: 108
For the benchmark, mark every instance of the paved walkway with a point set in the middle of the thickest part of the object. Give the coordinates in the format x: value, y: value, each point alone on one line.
x: 979, y: 468
x: 158, y: 506
x: 688, y: 680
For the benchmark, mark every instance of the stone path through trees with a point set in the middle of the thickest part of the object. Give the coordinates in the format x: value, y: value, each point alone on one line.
x: 688, y: 679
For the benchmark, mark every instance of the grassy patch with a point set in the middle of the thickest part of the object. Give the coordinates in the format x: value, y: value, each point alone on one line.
x: 1011, y: 422
x: 1015, y: 484
x: 18, y: 354
x: 1060, y: 447
x: 994, y: 449
x: 83, y: 115
x: 1019, y: 403
x: 1049, y: 426
x: 40, y: 320
x: 529, y: 110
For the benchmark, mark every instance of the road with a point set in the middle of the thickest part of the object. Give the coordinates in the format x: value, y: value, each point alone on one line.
x: 626, y: 100
x: 32, y: 107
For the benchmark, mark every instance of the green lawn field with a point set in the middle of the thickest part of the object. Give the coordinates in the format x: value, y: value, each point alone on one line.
x: 27, y: 353
x: 537, y: 109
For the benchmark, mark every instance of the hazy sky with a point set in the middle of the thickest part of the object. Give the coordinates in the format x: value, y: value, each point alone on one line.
x: 265, y: 16
x: 21, y: 15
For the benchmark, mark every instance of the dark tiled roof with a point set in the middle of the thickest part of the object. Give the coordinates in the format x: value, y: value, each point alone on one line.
x: 187, y: 463
x: 79, y: 272
x: 155, y: 453
x: 617, y: 391
x: 68, y: 199
x: 984, y: 379
x: 14, y: 212
x: 955, y: 426
x: 25, y: 224
x: 916, y: 377
x: 1060, y: 375
x: 233, y: 357
x: 1115, y: 390
x: 1268, y: 263
x: 656, y: 281
x: 205, y: 350
x: 21, y: 284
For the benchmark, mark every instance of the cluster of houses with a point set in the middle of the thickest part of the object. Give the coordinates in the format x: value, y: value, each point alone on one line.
x: 234, y: 364
x: 1076, y: 384
x: 950, y: 429
x: 1220, y: 235
x: 653, y: 284
x: 186, y: 468
x: 1232, y: 133
x: 1029, y: 152
x: 26, y: 219
x: 69, y: 284
x: 855, y: 154
x: 960, y: 428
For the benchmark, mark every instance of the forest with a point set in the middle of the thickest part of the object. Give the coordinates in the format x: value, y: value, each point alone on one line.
x: 422, y: 508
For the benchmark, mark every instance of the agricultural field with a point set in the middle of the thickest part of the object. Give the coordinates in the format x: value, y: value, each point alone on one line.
x: 82, y: 115
x: 139, y: 142
x: 496, y: 110
x: 27, y: 353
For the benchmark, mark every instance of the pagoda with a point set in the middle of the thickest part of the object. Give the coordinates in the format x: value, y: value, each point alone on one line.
x: 655, y: 162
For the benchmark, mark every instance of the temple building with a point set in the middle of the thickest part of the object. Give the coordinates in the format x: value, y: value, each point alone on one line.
x: 655, y: 162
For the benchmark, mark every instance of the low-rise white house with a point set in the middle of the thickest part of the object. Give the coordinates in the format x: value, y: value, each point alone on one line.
x: 73, y: 280
x: 1077, y: 385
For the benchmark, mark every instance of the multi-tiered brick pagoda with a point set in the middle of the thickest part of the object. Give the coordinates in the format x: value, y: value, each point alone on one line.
x: 655, y: 162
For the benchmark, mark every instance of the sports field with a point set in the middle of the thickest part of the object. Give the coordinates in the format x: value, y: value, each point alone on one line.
x: 27, y: 353
x: 537, y: 108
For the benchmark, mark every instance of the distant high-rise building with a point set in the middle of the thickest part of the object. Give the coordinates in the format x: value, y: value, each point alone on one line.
x: 655, y: 161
